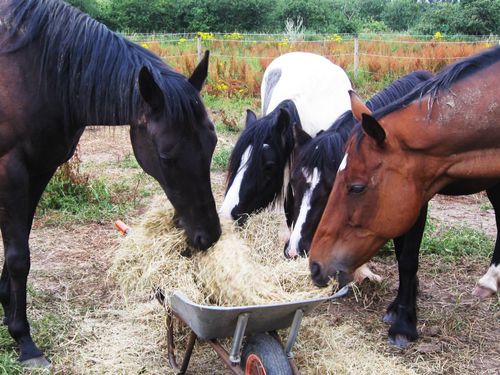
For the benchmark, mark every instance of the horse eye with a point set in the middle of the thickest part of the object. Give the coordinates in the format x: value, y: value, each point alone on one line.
x: 357, y: 189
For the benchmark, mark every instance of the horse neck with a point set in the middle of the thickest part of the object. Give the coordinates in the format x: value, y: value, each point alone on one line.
x: 458, y: 138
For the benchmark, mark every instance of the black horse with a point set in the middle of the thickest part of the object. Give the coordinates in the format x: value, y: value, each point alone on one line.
x: 61, y: 70
x: 259, y: 161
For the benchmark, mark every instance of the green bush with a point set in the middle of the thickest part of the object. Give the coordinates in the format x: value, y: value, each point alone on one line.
x: 400, y: 15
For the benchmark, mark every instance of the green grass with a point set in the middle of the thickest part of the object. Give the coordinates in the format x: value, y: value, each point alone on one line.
x: 89, y: 200
x: 220, y: 159
x: 129, y: 161
x: 50, y: 328
x: 456, y: 242
x: 449, y: 243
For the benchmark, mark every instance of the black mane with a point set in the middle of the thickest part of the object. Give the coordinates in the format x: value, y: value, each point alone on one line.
x: 257, y: 134
x: 92, y: 69
x: 444, y: 79
x: 327, y: 149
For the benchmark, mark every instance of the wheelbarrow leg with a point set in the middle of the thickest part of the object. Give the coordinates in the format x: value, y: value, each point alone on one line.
x: 171, y: 347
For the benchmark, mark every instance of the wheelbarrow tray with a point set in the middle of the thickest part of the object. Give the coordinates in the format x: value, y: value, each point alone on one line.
x: 211, y: 322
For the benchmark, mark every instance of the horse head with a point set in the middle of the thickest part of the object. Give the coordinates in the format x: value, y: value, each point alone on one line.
x: 354, y: 225
x: 257, y: 164
x: 312, y: 175
x: 175, y: 146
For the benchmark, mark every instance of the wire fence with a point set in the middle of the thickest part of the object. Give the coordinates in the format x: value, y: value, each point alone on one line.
x: 239, y: 60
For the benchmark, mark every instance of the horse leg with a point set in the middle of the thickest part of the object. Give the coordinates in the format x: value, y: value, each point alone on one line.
x: 402, y: 311
x: 487, y: 285
x: 5, y: 292
x: 21, y: 194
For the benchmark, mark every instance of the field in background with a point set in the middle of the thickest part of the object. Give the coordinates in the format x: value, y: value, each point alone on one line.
x: 238, y: 60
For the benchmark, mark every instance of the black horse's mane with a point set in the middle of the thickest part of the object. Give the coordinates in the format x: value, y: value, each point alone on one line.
x: 444, y: 79
x: 327, y: 149
x: 257, y: 135
x: 93, y: 69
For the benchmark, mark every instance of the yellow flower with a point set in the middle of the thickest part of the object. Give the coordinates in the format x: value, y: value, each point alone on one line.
x: 181, y: 41
x: 283, y: 43
x: 205, y: 36
x: 335, y: 38
x: 233, y: 36
x: 145, y: 45
x: 438, y: 36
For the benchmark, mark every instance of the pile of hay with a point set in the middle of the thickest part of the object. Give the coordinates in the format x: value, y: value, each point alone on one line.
x: 245, y: 267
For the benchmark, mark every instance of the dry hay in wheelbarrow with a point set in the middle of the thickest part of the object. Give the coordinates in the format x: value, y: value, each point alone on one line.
x: 244, y: 267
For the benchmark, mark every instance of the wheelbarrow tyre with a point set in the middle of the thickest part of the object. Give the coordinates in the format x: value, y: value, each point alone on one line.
x: 262, y: 352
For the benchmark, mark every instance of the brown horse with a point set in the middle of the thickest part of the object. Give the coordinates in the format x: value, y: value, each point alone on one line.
x: 443, y: 137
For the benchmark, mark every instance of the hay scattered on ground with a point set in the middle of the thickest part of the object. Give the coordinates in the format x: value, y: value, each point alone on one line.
x: 244, y: 267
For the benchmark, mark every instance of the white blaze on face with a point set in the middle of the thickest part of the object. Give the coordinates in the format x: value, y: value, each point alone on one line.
x: 343, y: 164
x: 313, y: 180
x: 491, y: 279
x: 232, y: 197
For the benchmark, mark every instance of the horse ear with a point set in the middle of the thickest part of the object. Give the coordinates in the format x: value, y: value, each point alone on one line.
x: 373, y: 129
x: 250, y: 119
x: 357, y: 105
x: 283, y: 120
x: 200, y: 73
x: 300, y: 136
x: 150, y: 91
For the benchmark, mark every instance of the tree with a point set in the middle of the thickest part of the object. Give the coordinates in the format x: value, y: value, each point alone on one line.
x: 440, y: 17
x: 401, y: 15
x: 479, y: 17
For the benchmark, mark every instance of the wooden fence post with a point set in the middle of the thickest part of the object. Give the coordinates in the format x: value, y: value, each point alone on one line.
x: 356, y: 56
x: 198, y: 47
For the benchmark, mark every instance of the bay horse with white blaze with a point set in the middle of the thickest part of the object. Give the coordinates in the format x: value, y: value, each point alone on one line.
x: 444, y: 137
x: 298, y: 89
x: 62, y: 70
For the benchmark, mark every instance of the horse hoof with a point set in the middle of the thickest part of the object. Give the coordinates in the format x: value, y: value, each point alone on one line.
x: 482, y: 292
x: 389, y: 317
x: 37, y: 363
x: 399, y: 341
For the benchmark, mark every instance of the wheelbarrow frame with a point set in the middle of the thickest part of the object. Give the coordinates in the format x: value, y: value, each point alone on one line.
x: 232, y: 359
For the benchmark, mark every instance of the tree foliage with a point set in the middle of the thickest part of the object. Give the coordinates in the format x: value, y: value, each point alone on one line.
x: 479, y: 17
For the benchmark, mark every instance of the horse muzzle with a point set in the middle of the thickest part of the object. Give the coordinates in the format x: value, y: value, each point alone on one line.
x: 321, y: 276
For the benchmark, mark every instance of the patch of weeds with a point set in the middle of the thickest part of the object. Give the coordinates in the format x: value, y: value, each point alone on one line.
x: 129, y: 161
x: 93, y: 200
x: 220, y: 160
x: 9, y: 364
x: 455, y: 242
x: 485, y: 205
x: 8, y: 355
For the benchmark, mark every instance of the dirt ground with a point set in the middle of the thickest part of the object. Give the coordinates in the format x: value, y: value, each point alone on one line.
x: 459, y: 335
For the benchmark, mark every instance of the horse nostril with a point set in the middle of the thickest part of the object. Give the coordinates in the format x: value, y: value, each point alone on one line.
x: 201, y: 241
x: 315, y: 270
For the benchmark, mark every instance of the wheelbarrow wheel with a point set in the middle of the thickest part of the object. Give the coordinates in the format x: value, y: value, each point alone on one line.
x: 263, y: 355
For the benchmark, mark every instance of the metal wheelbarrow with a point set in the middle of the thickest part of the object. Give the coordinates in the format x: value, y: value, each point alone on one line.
x: 261, y: 353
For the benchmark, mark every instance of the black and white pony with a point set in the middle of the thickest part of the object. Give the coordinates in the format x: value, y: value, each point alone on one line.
x: 316, y: 163
x: 299, y: 90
